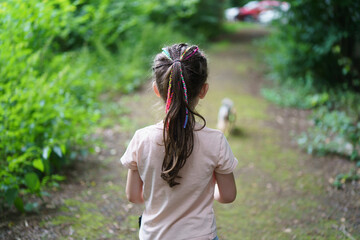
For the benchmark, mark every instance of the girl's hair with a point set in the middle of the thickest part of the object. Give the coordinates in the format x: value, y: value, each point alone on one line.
x: 180, y: 72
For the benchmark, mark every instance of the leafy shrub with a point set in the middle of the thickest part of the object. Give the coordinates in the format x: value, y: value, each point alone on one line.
x: 336, y: 127
x: 314, y: 61
x: 287, y: 96
x: 320, y: 41
x: 237, y: 3
x: 200, y: 18
x: 45, y: 109
x: 342, y: 178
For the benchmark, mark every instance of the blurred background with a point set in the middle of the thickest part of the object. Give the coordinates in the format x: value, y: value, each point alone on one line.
x: 63, y: 61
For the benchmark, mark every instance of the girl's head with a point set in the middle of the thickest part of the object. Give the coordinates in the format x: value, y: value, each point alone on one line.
x: 180, y: 73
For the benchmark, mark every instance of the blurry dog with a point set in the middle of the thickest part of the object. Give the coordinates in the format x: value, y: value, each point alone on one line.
x: 226, y: 116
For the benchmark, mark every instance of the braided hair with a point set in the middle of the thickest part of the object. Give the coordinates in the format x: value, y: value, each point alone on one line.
x: 180, y: 72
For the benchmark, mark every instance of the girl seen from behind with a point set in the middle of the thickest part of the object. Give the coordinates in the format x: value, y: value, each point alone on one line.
x: 178, y: 166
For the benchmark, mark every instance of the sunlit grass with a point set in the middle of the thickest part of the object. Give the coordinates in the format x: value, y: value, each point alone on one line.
x: 233, y: 27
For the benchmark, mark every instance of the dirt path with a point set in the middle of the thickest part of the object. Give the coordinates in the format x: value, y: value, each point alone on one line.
x: 282, y: 192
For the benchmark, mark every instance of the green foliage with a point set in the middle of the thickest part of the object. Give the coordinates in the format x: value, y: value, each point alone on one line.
x: 336, y: 127
x: 42, y: 102
x: 314, y: 63
x: 341, y: 179
x: 201, y: 18
x: 320, y: 41
x: 236, y: 3
x: 57, y: 57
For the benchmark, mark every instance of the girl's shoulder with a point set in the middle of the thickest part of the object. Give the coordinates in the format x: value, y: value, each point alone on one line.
x: 157, y: 126
x: 150, y: 131
x: 155, y: 131
x: 209, y: 133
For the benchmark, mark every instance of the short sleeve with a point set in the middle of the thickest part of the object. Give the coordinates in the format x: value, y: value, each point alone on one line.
x: 227, y: 161
x: 130, y: 157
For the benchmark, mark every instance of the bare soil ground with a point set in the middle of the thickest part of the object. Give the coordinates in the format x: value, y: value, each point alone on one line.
x: 283, y: 193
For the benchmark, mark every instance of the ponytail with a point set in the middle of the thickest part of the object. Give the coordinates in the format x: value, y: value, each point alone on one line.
x: 183, y: 79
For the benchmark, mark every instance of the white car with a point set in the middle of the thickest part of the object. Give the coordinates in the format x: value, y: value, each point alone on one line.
x: 231, y: 14
x: 267, y: 16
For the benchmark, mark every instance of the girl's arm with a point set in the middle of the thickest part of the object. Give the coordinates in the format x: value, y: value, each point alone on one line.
x: 225, y: 189
x: 134, y: 187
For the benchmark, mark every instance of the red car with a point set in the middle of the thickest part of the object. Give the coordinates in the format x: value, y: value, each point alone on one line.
x: 250, y: 11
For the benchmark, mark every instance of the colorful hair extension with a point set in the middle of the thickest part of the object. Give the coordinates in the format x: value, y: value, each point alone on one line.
x: 166, y: 53
x: 183, y: 81
x: 169, y: 94
x: 186, y: 99
x: 195, y: 50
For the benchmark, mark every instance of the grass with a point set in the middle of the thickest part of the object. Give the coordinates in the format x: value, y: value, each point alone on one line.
x: 234, y: 27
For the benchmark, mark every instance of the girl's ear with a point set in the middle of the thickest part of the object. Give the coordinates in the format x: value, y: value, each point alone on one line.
x: 156, y: 90
x: 204, y: 90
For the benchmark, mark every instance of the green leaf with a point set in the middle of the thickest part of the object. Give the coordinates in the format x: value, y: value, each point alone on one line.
x: 38, y: 164
x: 46, y: 194
x: 63, y: 148
x: 46, y: 152
x: 46, y: 166
x: 337, y: 184
x: 32, y: 181
x: 19, y: 204
x: 57, y: 150
x: 31, y: 206
x: 10, y: 195
x: 354, y: 155
x: 57, y: 177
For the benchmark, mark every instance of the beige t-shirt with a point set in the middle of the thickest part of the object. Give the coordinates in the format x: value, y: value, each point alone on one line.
x: 186, y: 210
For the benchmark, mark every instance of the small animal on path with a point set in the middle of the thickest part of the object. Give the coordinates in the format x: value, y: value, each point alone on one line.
x: 226, y: 116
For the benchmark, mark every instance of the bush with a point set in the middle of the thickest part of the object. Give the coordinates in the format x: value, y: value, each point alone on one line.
x: 336, y: 127
x: 56, y: 58
x: 45, y: 109
x: 320, y: 41
x: 314, y: 62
